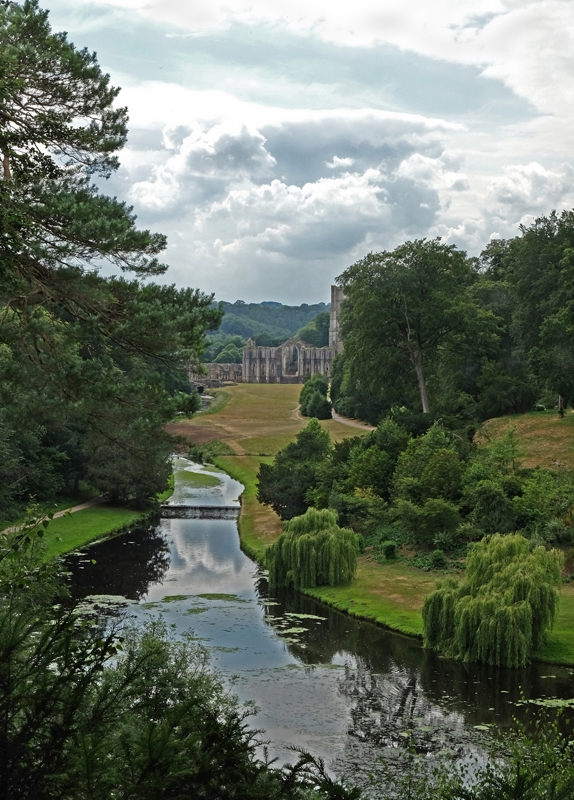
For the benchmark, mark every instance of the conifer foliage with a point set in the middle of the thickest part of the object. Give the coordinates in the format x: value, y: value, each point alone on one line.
x: 313, y: 551
x: 503, y: 609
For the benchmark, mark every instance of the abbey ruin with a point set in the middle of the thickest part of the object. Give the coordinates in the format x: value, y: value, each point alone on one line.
x: 291, y: 362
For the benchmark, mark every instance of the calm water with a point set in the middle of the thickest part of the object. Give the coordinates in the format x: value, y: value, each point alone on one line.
x: 348, y: 691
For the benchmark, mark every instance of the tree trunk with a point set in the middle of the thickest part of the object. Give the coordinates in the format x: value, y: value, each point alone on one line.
x: 418, y: 365
x: 6, y: 168
x: 560, y: 406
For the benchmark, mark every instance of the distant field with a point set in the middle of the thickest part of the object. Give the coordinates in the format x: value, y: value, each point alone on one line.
x: 259, y: 419
x: 545, y: 439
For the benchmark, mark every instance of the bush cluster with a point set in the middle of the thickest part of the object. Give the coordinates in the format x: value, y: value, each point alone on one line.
x: 435, y: 491
x: 313, y: 398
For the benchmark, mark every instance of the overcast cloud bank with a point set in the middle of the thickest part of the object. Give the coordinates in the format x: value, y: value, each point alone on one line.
x: 275, y: 144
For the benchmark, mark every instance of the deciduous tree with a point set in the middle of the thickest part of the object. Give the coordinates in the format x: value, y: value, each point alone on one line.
x: 410, y: 304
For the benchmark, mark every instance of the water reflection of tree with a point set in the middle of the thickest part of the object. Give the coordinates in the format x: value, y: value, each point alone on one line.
x: 479, y: 694
x: 336, y: 633
x: 393, y: 711
x: 125, y: 565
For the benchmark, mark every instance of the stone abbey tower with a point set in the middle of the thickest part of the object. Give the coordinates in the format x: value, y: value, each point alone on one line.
x: 291, y: 362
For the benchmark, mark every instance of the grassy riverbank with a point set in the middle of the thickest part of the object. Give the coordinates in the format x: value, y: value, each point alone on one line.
x: 71, y: 531
x: 259, y: 420
x: 67, y: 533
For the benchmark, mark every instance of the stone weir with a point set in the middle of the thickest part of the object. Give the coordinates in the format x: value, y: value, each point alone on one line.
x: 199, y: 512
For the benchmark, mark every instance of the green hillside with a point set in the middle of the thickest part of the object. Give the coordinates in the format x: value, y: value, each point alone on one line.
x: 269, y: 323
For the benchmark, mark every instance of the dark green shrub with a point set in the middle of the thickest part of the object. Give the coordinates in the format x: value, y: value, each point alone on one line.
x: 344, y: 406
x: 426, y: 521
x: 442, y: 476
x: 437, y: 560
x: 387, y: 549
x: 205, y: 453
x: 317, y: 406
x: 318, y: 384
x: 491, y: 509
x: 446, y: 540
x: 371, y: 469
x: 467, y: 532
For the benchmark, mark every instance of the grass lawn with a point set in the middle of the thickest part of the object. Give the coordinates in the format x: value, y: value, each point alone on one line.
x: 45, y: 508
x: 391, y: 594
x: 545, y: 440
x: 560, y: 646
x: 259, y: 525
x: 257, y: 419
x: 68, y: 533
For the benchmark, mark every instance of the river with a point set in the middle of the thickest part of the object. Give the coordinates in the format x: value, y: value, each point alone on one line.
x: 359, y: 696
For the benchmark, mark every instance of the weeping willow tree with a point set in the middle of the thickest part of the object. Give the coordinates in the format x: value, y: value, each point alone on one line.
x: 313, y: 551
x: 502, y: 610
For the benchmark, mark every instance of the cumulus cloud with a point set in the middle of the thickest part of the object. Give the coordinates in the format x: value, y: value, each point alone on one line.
x: 203, y: 164
x: 271, y: 179
x: 530, y: 188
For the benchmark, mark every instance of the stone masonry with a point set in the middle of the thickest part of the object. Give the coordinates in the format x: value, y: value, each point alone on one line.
x: 291, y: 362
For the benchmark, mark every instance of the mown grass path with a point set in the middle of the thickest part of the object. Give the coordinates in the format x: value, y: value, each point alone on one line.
x: 258, y: 420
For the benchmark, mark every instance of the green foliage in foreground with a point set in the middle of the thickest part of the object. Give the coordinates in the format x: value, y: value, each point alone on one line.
x: 517, y: 765
x: 93, y: 712
x: 502, y: 610
x: 313, y: 551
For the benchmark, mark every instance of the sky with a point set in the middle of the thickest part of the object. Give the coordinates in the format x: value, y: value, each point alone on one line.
x: 277, y: 143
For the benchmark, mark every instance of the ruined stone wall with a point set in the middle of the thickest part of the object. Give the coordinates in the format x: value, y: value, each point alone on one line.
x: 335, y: 340
x: 292, y: 362
x: 217, y: 374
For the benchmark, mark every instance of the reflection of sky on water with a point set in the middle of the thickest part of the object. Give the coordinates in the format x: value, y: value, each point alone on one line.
x: 209, y: 560
x: 225, y: 493
x: 346, y: 690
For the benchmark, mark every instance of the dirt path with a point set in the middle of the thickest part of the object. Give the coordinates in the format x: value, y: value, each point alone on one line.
x: 353, y: 423
x: 96, y: 501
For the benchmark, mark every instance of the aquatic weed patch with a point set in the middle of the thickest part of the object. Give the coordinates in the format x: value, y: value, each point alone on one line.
x: 175, y: 598
x: 230, y: 598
